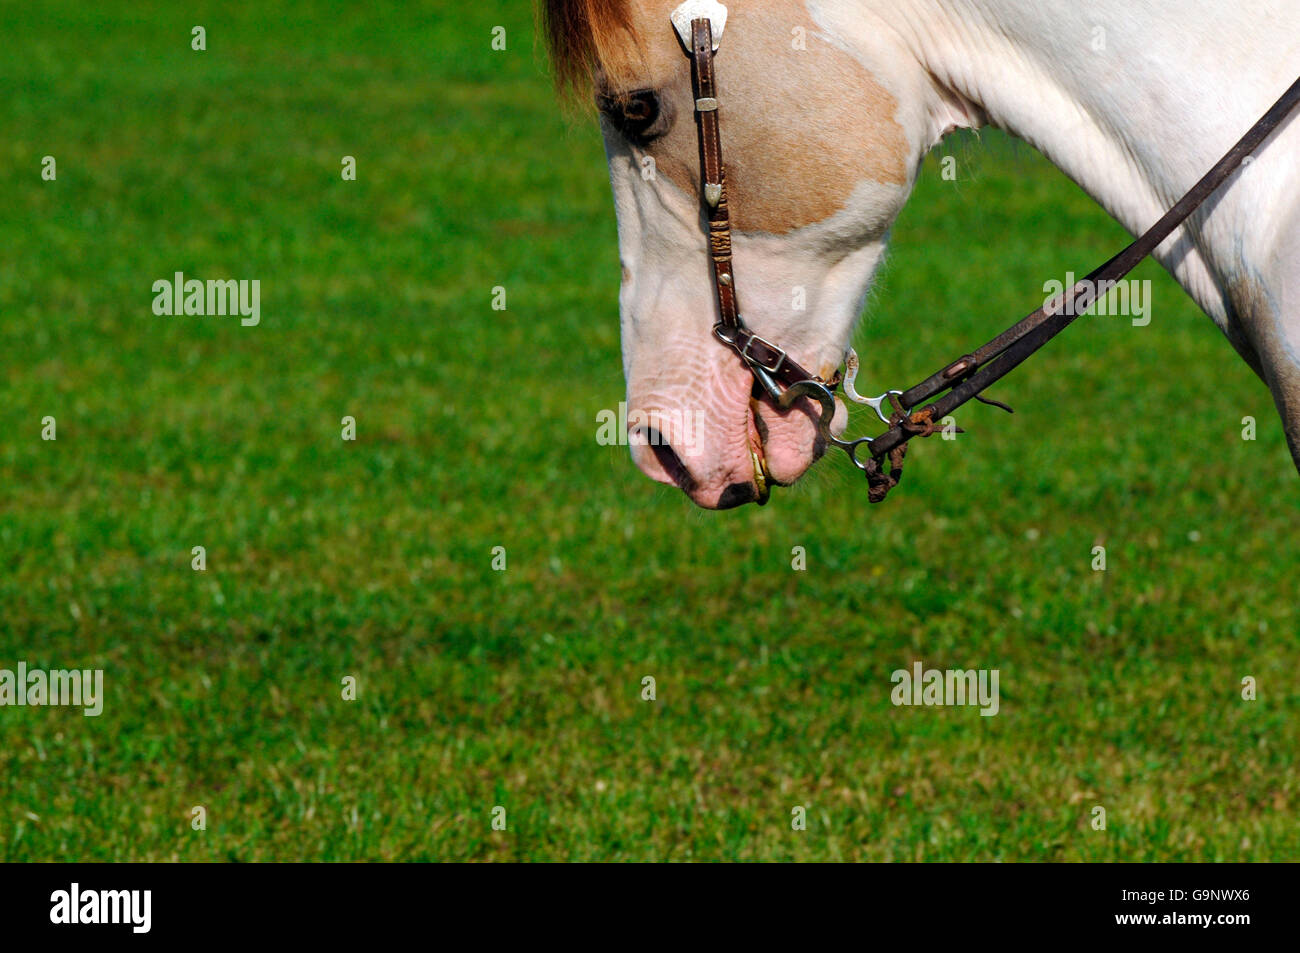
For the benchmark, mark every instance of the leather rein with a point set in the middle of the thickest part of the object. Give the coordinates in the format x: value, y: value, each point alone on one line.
x: 920, y: 409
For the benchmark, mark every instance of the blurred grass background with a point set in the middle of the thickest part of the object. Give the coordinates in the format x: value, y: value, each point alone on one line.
x: 476, y: 429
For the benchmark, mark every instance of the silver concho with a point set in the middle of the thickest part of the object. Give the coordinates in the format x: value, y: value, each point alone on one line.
x: 709, y: 10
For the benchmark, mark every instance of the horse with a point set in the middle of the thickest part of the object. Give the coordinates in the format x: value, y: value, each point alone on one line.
x: 830, y: 107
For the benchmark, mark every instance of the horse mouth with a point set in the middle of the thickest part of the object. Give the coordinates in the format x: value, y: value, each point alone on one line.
x: 762, y: 478
x: 763, y: 481
x: 760, y: 406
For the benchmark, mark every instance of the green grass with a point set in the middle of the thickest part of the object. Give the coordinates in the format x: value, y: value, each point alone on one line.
x: 476, y: 429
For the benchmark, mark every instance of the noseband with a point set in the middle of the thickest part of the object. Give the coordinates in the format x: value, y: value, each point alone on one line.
x: 921, y: 409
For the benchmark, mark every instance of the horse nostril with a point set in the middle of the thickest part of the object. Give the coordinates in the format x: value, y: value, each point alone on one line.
x: 668, y: 458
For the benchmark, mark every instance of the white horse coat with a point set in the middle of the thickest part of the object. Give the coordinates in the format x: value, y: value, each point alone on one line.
x: 829, y: 107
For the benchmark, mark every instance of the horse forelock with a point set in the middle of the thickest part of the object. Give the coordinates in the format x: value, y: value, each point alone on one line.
x: 585, y: 37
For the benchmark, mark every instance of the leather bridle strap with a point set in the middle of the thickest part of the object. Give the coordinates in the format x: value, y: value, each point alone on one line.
x: 768, y: 363
x: 968, y: 376
x: 958, y: 382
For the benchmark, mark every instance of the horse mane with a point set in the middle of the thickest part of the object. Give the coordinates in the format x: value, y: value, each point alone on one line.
x: 585, y: 36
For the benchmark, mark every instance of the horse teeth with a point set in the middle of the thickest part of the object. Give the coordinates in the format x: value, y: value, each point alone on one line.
x: 760, y: 476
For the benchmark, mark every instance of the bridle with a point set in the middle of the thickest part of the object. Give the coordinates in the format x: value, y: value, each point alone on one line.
x: 922, y: 408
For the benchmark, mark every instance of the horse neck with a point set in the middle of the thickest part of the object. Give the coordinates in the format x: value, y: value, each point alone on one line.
x: 1132, y: 100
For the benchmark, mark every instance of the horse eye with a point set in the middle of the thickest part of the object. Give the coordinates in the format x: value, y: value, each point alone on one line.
x: 636, y: 115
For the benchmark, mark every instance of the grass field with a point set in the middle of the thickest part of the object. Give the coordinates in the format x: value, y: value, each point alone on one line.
x: 476, y: 429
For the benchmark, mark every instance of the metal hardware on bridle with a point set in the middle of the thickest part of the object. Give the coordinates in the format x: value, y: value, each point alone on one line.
x: 699, y: 25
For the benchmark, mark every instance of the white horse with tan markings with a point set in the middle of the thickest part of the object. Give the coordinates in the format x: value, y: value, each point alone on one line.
x: 830, y: 106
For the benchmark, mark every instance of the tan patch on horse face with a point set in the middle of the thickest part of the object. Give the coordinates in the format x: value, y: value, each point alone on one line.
x: 800, y: 128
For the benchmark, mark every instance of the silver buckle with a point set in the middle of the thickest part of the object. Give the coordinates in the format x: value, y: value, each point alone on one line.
x: 753, y: 362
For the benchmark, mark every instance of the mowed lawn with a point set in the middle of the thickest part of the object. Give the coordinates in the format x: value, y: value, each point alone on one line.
x: 476, y: 429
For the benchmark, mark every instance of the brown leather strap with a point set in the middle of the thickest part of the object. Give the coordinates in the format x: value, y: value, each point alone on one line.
x: 967, y: 377
x: 764, y: 358
x: 964, y: 379
x: 712, y: 172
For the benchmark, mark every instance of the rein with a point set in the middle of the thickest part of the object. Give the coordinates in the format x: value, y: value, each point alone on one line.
x: 699, y: 25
